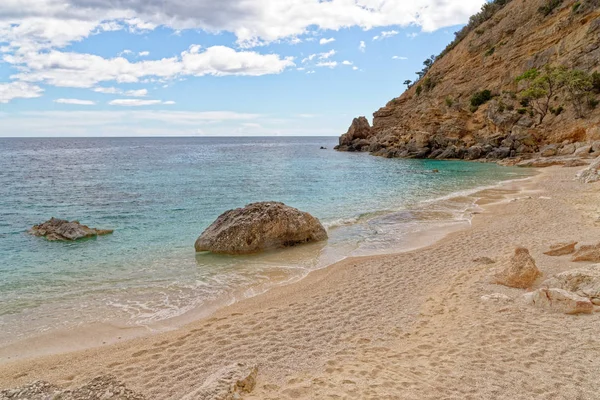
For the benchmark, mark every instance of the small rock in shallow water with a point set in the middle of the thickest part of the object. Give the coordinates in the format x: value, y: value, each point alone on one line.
x: 60, y: 229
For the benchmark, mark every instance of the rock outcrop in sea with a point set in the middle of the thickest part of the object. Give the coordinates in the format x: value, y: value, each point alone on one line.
x: 522, y: 78
x: 60, y: 229
x: 259, y: 227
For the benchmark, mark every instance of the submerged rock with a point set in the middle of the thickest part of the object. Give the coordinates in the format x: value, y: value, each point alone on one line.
x: 560, y: 301
x: 519, y: 271
x: 61, y: 229
x: 258, y: 227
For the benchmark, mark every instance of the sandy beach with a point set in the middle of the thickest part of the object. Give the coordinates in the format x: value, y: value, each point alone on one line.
x: 402, y: 326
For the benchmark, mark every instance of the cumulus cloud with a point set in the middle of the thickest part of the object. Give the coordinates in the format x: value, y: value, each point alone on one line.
x: 144, y: 53
x: 253, y: 22
x: 69, y: 69
x: 15, y: 90
x: 346, y: 62
x: 362, y: 46
x: 137, y: 102
x: 325, y: 41
x: 399, y: 58
x: 76, y: 102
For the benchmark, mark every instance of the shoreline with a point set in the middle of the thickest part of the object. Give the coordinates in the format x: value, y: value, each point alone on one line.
x: 410, y: 323
x: 97, y: 335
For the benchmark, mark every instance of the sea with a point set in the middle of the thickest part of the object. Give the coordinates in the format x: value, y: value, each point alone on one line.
x: 159, y: 194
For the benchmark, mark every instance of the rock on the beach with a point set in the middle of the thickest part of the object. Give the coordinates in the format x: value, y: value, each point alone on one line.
x: 560, y: 301
x: 590, y: 174
x: 584, y: 281
x: 519, y: 271
x: 258, y: 227
x: 228, y: 383
x: 496, y: 297
x: 561, y: 249
x: 60, y: 229
x: 587, y: 253
x: 105, y: 387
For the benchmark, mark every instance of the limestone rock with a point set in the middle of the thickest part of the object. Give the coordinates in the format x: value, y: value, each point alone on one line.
x: 560, y: 301
x: 587, y: 253
x: 585, y: 282
x: 561, y: 249
x: 228, y: 383
x: 258, y: 227
x: 550, y: 150
x: 105, y: 387
x: 437, y: 105
x: 496, y: 297
x: 519, y: 271
x: 583, y: 151
x: 575, y: 162
x: 60, y: 229
x: 591, y: 173
x: 359, y: 130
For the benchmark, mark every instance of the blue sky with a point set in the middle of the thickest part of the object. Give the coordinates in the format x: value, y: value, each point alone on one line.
x: 168, y: 67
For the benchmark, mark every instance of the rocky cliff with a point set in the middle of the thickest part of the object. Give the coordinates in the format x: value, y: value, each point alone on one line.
x: 521, y: 79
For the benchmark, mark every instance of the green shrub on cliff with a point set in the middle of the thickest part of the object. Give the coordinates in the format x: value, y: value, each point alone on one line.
x: 550, y: 5
x: 418, y: 90
x: 596, y: 82
x: 480, y: 98
x: 543, y: 86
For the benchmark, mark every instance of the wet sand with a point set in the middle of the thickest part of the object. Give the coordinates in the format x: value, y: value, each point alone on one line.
x: 409, y: 325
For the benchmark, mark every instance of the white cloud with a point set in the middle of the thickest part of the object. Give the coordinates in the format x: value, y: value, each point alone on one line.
x: 137, y: 93
x: 75, y: 102
x: 325, y: 56
x: 144, y: 53
x: 346, y: 62
x: 59, y: 22
x: 125, y: 52
x: 137, y: 102
x: 328, y: 64
x: 14, y: 90
x: 399, y: 58
x: 326, y: 41
x: 69, y: 69
x: 354, y: 68
x: 412, y: 35
x: 385, y: 35
x: 362, y: 46
x: 107, y: 90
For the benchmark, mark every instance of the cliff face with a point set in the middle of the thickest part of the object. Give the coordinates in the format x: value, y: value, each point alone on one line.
x: 438, y: 116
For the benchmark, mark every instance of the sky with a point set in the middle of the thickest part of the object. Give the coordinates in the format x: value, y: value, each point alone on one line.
x: 211, y: 68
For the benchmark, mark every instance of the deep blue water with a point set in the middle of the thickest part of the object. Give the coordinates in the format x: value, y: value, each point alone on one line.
x: 160, y: 193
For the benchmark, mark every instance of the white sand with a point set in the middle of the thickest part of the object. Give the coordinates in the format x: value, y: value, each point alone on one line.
x: 405, y: 326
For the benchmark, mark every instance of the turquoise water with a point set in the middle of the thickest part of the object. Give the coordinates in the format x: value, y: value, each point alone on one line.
x: 160, y: 193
